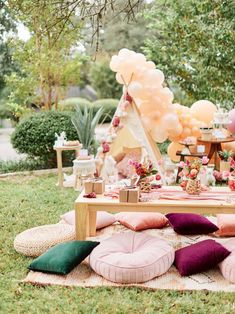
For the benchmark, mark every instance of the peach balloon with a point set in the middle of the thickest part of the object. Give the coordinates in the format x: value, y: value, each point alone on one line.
x: 229, y: 146
x: 185, y: 133
x: 159, y: 134
x: 172, y: 149
x: 203, y: 110
x: 135, y: 89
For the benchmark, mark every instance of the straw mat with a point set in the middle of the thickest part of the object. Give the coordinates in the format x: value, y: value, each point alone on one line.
x: 84, y: 276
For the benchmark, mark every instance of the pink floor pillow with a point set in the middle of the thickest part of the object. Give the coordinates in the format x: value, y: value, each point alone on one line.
x: 132, y: 257
x: 226, y: 225
x: 137, y: 221
x: 227, y: 267
x: 103, y: 219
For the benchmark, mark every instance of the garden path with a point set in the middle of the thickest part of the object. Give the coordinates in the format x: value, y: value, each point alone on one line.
x: 7, y: 152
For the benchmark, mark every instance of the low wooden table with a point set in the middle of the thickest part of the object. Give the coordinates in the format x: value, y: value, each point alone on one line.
x: 86, y: 208
x: 59, y: 151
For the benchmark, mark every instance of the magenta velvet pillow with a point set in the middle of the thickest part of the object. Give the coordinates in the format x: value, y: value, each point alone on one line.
x: 191, y: 223
x: 199, y: 257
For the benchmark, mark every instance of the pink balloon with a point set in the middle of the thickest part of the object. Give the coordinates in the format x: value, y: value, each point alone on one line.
x: 231, y: 126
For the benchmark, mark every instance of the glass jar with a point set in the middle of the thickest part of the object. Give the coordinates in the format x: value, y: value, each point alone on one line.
x: 193, y: 187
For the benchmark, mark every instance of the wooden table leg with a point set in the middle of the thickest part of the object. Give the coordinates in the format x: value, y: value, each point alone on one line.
x: 81, y: 221
x: 92, y: 223
x: 59, y: 166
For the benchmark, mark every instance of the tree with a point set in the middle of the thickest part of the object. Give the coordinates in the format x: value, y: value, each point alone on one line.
x: 6, y: 25
x: 193, y: 43
x: 96, y: 12
x: 46, y: 61
x: 103, y: 80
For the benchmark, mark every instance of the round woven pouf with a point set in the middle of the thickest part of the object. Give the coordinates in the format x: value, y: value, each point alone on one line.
x: 35, y: 241
x: 132, y: 257
x: 227, y: 267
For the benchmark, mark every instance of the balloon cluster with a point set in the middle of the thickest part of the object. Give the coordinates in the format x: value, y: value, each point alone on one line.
x: 145, y: 84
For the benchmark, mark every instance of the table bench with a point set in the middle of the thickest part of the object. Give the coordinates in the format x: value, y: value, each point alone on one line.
x: 86, y: 208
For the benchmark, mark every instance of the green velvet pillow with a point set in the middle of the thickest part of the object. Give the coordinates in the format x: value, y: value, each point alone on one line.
x: 63, y: 257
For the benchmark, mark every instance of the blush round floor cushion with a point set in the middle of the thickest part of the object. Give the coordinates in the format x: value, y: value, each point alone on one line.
x: 132, y: 257
x: 35, y: 241
x: 227, y: 267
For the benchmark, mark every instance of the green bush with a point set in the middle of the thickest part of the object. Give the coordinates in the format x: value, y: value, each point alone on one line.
x: 109, y: 106
x: 70, y: 104
x: 27, y: 164
x: 35, y: 135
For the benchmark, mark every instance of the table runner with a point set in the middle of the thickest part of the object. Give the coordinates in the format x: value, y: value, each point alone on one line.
x: 171, y: 193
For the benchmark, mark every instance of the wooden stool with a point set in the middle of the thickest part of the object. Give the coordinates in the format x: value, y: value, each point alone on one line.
x: 59, y: 151
x: 83, y: 169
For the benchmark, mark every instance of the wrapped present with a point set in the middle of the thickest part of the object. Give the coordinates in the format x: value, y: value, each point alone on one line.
x: 129, y: 194
x: 95, y: 185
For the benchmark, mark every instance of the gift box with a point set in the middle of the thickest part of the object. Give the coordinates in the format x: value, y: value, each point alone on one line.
x: 129, y: 195
x: 94, y: 185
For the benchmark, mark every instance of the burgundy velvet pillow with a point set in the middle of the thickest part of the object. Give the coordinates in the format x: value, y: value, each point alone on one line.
x: 191, y: 223
x: 199, y: 257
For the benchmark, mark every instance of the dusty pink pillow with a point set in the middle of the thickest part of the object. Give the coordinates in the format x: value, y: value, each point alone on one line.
x: 103, y: 219
x: 141, y: 220
x: 227, y: 267
x: 131, y: 257
x: 226, y: 224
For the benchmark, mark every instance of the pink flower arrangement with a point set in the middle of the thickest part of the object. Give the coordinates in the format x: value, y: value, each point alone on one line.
x: 105, y: 147
x: 116, y: 121
x: 145, y: 169
x: 190, y: 170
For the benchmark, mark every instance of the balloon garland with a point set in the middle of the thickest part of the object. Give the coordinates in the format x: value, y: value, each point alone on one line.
x: 162, y: 118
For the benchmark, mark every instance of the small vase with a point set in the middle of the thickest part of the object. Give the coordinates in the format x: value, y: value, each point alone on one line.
x: 144, y: 185
x: 231, y: 183
x: 224, y: 165
x: 193, y: 187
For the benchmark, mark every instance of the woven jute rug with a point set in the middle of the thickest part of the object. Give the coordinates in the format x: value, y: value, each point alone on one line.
x: 84, y: 276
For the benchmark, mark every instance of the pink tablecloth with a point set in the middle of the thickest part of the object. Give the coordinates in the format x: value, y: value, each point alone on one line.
x: 172, y: 194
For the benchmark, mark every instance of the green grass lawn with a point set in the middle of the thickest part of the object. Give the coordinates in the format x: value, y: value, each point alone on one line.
x: 32, y: 201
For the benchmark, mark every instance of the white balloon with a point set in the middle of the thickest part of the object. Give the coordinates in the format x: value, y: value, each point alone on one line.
x: 140, y: 58
x: 124, y: 52
x: 150, y: 65
x: 114, y: 63
x: 119, y: 78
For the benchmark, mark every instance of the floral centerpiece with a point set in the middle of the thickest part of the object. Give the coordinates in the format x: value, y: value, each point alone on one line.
x: 190, y: 175
x: 231, y: 178
x: 225, y: 157
x: 146, y: 173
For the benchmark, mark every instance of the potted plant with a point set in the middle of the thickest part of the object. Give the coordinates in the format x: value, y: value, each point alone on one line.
x: 85, y: 122
x: 225, y: 156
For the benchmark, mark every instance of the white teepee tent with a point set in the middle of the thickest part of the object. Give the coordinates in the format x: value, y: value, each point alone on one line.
x: 130, y: 132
